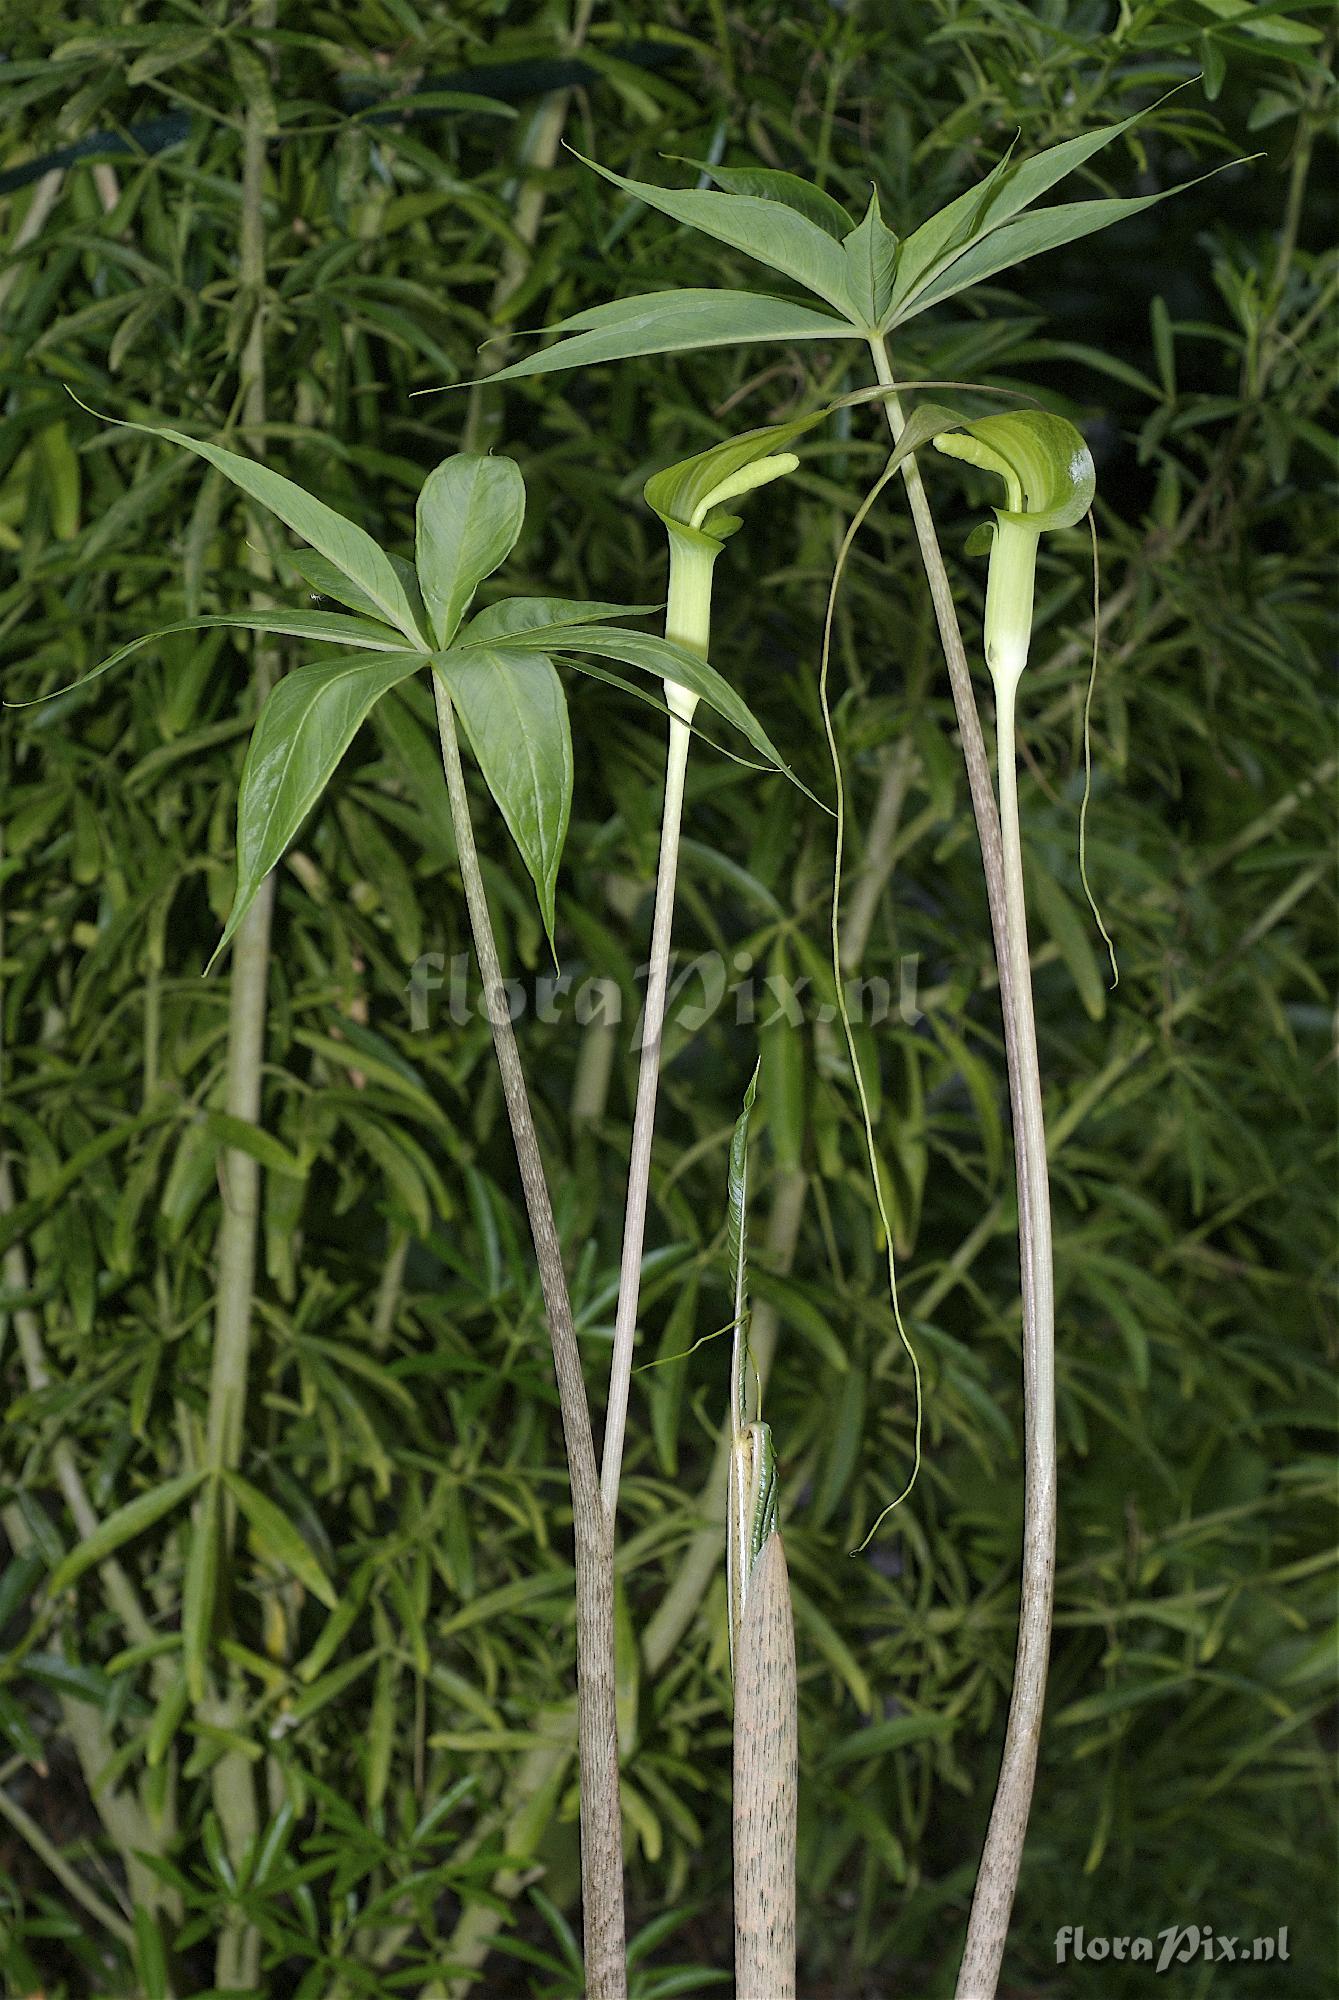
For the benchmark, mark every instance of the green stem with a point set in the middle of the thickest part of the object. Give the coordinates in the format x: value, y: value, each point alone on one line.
x: 688, y: 622
x: 601, y: 1823
x: 998, y: 1875
x: 237, y: 1957
x: 1001, y: 1857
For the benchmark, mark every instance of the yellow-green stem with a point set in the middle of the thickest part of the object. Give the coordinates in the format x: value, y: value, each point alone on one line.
x: 237, y: 1957
x: 998, y: 1875
x: 688, y: 623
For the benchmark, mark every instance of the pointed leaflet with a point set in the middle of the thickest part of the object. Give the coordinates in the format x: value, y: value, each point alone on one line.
x: 871, y: 258
x: 672, y: 323
x: 771, y: 231
x: 1006, y: 191
x: 939, y: 240
x: 537, y: 619
x: 301, y: 733
x: 1029, y: 236
x: 331, y: 626
x: 352, y: 551
x: 320, y: 575
x: 771, y: 184
x: 470, y: 512
x: 514, y: 711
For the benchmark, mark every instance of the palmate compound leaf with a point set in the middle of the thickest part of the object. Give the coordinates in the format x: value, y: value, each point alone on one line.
x: 470, y: 511
x: 978, y: 235
x: 514, y: 712
x: 302, y: 732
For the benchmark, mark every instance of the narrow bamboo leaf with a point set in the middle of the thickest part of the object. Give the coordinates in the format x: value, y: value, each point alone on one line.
x: 871, y: 259
x: 351, y: 550
x: 16, y: 1729
x: 881, y: 1737
x: 672, y: 323
x: 514, y: 711
x: 1029, y: 236
x: 771, y: 184
x: 166, y: 1722
x: 674, y: 663
x: 470, y: 511
x: 302, y: 732
x: 150, y: 1948
x: 773, y: 232
x: 276, y: 1535
x: 122, y: 1526
x: 1067, y: 930
x: 253, y: 1139
x: 539, y: 618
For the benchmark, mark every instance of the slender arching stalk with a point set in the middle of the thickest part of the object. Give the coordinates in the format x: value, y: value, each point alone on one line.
x: 234, y: 1785
x: 1048, y: 479
x: 1002, y: 1855
x: 688, y: 621
x: 601, y: 1823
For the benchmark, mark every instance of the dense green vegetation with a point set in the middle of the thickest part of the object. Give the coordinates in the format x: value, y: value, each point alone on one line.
x: 275, y: 231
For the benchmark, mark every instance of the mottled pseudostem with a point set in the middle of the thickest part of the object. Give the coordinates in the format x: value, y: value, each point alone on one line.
x: 766, y: 1785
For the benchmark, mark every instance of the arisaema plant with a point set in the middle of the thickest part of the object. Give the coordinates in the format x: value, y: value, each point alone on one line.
x: 868, y: 283
x: 493, y: 677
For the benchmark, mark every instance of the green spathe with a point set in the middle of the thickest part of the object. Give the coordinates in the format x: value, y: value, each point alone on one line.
x: 1049, y: 483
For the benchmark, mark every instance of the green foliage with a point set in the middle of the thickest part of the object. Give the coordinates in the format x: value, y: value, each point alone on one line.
x: 410, y: 1743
